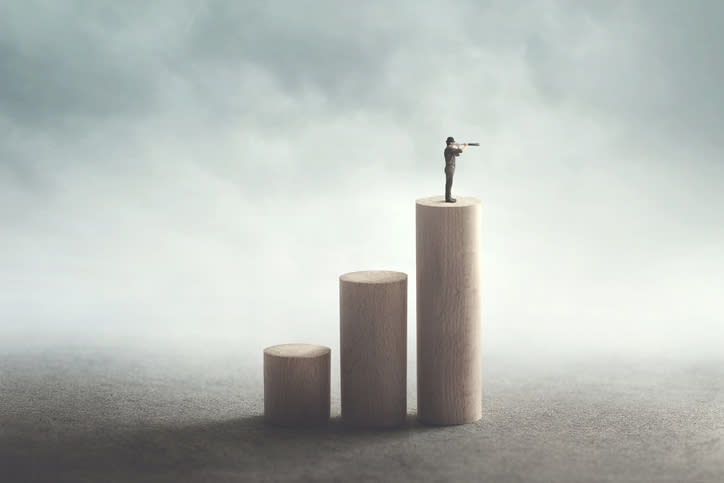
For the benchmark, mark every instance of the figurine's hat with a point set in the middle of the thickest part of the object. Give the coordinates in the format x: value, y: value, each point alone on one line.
x: 449, y: 140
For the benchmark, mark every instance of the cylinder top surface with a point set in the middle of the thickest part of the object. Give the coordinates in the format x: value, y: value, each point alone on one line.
x: 439, y: 201
x: 373, y: 276
x: 297, y: 350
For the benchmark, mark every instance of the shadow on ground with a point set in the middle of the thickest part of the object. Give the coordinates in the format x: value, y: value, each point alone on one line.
x: 244, y: 447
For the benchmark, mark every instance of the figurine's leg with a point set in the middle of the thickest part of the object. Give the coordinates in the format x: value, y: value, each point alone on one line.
x: 449, y: 172
x: 448, y: 182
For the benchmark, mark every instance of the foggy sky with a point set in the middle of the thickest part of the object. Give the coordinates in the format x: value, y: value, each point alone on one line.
x: 200, y: 173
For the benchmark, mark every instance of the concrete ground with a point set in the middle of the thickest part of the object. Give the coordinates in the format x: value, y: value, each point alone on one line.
x: 84, y: 415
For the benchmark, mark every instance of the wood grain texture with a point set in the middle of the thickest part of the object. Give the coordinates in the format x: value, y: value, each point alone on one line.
x: 449, y: 356
x: 297, y: 384
x: 373, y: 347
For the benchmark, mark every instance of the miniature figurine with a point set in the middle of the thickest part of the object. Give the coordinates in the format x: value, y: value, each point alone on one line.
x: 450, y: 154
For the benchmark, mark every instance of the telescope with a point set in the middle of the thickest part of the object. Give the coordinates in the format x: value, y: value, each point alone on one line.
x: 469, y: 144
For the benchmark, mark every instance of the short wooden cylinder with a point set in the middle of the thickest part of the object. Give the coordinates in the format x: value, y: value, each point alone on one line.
x: 373, y: 348
x: 297, y: 384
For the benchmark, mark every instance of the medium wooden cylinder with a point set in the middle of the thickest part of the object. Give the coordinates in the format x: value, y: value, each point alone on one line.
x: 373, y: 348
x: 449, y: 355
x: 297, y: 384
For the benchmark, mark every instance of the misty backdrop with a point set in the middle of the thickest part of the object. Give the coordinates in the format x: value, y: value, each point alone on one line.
x: 196, y: 175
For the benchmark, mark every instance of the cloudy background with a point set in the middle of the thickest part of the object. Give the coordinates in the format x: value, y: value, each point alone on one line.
x: 195, y: 176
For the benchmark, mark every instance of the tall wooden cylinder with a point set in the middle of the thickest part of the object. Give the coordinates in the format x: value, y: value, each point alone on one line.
x: 373, y: 348
x: 449, y: 355
x: 297, y: 384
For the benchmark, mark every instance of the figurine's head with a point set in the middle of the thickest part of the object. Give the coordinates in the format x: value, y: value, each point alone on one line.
x: 449, y: 140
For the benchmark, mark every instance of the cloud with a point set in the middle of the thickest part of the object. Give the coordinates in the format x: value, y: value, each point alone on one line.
x: 211, y: 167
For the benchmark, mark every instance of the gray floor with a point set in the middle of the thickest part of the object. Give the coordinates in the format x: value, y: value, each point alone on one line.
x: 69, y: 415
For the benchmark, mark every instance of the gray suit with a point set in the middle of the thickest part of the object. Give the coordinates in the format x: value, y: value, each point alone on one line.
x: 450, y: 154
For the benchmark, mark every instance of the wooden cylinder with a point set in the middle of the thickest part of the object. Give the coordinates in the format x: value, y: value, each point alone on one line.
x: 449, y: 355
x: 297, y: 384
x: 373, y: 348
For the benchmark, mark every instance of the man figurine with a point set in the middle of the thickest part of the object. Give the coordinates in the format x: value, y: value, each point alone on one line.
x: 450, y: 154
